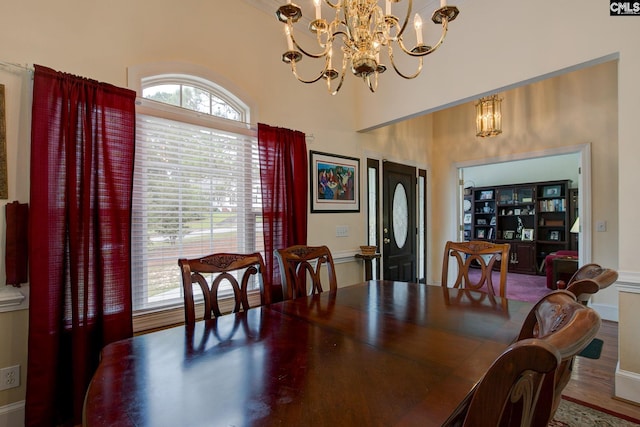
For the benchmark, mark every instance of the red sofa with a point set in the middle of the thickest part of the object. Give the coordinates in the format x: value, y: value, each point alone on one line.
x: 548, y: 264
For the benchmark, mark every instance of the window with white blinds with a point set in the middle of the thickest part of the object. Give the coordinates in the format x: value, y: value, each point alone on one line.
x: 196, y: 192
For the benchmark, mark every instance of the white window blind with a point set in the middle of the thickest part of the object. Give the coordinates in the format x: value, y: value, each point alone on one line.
x: 196, y: 192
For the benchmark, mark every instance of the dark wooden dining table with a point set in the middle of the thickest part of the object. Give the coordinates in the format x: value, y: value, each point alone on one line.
x: 379, y: 353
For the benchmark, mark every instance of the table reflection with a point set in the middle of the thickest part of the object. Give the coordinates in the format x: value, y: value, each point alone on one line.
x: 466, y: 298
x: 214, y: 336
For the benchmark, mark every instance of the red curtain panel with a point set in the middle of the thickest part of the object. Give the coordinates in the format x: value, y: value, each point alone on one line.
x: 82, y: 151
x: 16, y: 255
x: 284, y: 179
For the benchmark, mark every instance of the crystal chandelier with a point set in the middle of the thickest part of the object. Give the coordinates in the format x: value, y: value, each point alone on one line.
x: 489, y: 116
x: 361, y: 29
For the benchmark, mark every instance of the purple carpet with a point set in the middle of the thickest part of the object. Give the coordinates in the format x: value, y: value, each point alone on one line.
x: 521, y: 287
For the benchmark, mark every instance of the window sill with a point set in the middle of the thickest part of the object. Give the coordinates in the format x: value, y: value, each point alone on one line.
x: 13, y: 299
x: 147, y: 321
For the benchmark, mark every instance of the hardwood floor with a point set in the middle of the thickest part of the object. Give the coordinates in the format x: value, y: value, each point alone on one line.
x: 593, y: 380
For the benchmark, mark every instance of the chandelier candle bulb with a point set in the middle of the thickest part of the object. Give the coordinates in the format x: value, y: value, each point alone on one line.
x: 318, y: 11
x: 289, y: 40
x: 443, y: 3
x: 387, y: 9
x: 417, y: 23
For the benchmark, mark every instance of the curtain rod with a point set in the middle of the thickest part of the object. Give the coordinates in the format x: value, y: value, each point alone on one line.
x: 9, y: 66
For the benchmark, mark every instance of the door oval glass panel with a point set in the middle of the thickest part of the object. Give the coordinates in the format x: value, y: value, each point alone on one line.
x: 400, y: 215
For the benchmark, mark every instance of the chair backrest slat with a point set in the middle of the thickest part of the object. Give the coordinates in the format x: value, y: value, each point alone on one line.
x: 588, y: 280
x: 509, y: 394
x: 562, y: 321
x: 220, y: 267
x: 299, y: 262
x: 480, y: 254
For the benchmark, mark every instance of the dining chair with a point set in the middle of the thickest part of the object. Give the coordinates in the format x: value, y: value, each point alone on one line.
x: 589, y: 279
x: 509, y: 394
x: 300, y: 269
x: 222, y: 270
x: 480, y: 254
x: 561, y: 320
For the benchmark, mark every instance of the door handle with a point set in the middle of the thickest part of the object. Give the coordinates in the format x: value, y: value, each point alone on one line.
x: 386, y: 240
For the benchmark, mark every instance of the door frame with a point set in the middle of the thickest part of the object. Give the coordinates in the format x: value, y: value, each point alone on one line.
x: 584, y: 195
x: 421, y: 223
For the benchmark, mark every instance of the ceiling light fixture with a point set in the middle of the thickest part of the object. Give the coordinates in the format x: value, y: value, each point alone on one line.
x: 364, y: 30
x: 489, y: 116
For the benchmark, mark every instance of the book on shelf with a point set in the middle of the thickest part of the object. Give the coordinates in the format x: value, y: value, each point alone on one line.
x: 552, y: 205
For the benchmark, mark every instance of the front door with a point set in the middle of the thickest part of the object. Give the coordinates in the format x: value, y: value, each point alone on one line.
x: 399, y: 222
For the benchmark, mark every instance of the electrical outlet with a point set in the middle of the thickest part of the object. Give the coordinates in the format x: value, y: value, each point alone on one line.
x: 10, y: 377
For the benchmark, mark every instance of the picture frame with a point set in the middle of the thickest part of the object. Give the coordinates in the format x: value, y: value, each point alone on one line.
x: 527, y: 234
x: 554, y: 235
x: 508, y: 234
x: 486, y: 194
x: 552, y: 191
x: 334, y: 183
x: 480, y: 233
x: 481, y: 221
x: 467, y: 218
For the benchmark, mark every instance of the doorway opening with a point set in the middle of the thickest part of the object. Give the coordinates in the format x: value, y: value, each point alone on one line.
x: 572, y: 163
x: 396, y: 220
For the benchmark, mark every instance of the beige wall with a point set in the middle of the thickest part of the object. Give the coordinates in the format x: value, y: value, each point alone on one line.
x: 13, y: 336
x: 565, y: 111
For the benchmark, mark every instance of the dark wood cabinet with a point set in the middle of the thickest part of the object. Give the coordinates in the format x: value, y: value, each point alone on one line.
x: 534, y: 218
x: 522, y: 257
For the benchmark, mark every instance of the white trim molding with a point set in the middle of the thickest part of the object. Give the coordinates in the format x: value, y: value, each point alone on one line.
x: 12, y: 415
x: 631, y: 281
x: 627, y: 385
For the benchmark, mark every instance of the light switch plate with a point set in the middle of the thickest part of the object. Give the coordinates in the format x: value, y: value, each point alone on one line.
x: 342, y: 231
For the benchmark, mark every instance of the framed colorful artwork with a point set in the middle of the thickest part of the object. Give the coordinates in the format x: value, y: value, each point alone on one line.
x: 335, y: 183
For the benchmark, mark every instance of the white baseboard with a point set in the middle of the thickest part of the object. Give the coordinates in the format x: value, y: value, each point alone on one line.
x: 12, y: 415
x: 627, y: 385
x: 606, y: 311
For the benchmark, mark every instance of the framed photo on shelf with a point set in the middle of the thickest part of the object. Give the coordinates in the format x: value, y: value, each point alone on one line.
x: 527, y: 234
x: 508, y: 234
x: 481, y: 221
x: 480, y: 233
x: 467, y: 218
x: 335, y: 182
x: 551, y: 191
x: 554, y: 235
x: 486, y: 195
